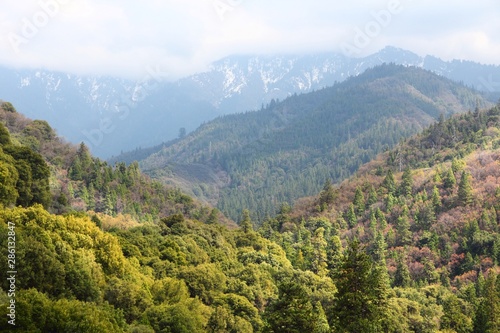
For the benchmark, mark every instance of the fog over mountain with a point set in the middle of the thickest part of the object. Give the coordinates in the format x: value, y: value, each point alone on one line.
x: 112, y: 114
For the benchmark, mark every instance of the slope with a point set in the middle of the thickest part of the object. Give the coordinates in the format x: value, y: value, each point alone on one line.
x: 287, y: 150
x: 428, y: 212
x: 68, y: 179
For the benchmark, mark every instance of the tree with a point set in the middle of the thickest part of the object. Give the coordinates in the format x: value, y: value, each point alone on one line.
x: 291, y: 312
x: 359, y: 201
x: 319, y: 262
x: 213, y: 217
x: 350, y: 216
x: 403, y: 227
x: 436, y: 199
x: 488, y: 314
x: 358, y: 304
x: 7, y: 106
x: 449, y: 180
x: 246, y: 222
x: 402, y: 275
x: 465, y: 189
x: 389, y: 183
x: 327, y: 195
x: 182, y: 132
x: 406, y: 187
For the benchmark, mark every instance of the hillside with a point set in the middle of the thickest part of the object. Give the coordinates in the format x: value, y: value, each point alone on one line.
x: 110, y: 113
x: 257, y: 160
x: 408, y: 244
x: 66, y: 178
x: 427, y: 210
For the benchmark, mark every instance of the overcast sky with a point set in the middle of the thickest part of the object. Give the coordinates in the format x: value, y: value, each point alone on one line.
x: 179, y: 37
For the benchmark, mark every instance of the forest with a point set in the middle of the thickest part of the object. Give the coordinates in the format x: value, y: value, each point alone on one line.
x: 288, y: 149
x: 409, y: 243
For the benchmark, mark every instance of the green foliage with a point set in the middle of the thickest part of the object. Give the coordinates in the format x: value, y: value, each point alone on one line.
x: 358, y: 305
x: 291, y: 312
x: 465, y: 189
x: 288, y: 150
x: 7, y: 106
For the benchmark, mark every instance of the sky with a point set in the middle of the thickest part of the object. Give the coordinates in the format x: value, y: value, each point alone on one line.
x: 130, y: 38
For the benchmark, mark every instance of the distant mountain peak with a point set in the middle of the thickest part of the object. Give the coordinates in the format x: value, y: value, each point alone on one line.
x: 77, y: 106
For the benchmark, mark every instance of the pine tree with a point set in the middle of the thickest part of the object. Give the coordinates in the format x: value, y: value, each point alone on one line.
x: 319, y: 262
x: 358, y: 305
x: 436, y: 199
x: 372, y: 195
x: 465, y: 189
x: 403, y: 228
x: 449, y: 180
x: 406, y: 187
x: 402, y: 275
x: 291, y: 312
x: 213, y: 218
x: 359, y: 201
x: 246, y: 222
x: 350, y: 216
x: 327, y: 195
x: 487, y: 318
x: 389, y: 183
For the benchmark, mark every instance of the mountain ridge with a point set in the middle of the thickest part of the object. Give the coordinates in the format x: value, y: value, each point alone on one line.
x: 288, y: 149
x: 104, y: 111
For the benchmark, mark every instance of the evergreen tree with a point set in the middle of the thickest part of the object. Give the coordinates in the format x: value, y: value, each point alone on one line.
x: 403, y: 228
x: 389, y: 183
x: 357, y: 306
x: 465, y: 189
x: 488, y: 314
x: 319, y: 262
x: 327, y: 195
x: 359, y: 201
x: 291, y: 312
x: 246, y: 222
x: 213, y: 218
x: 372, y: 195
x: 449, y: 180
x: 351, y: 217
x: 402, y: 275
x: 406, y: 186
x: 436, y: 199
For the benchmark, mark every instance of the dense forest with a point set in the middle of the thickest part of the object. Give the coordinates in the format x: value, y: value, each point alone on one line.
x: 410, y: 243
x: 287, y: 150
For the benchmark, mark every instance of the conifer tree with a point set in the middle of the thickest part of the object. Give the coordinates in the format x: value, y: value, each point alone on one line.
x: 358, y: 305
x: 449, y: 180
x: 327, y: 195
x: 436, y: 199
x: 372, y: 195
x: 319, y: 262
x: 403, y: 228
x: 465, y: 189
x: 402, y: 274
x: 246, y: 222
x: 406, y: 183
x: 389, y: 183
x: 359, y: 201
x: 350, y: 216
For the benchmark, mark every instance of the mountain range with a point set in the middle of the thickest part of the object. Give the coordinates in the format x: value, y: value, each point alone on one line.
x: 289, y: 149
x: 112, y: 114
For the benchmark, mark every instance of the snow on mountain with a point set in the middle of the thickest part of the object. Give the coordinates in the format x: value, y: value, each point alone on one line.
x: 112, y: 114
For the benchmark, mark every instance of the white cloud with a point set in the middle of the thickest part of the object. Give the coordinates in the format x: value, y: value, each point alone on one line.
x: 182, y: 36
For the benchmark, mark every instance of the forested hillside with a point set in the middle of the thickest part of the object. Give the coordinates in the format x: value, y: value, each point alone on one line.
x: 257, y: 160
x: 411, y: 243
x: 69, y: 179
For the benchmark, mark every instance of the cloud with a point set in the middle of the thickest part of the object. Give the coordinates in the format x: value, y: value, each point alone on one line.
x: 123, y: 38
